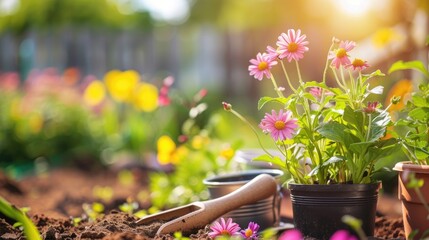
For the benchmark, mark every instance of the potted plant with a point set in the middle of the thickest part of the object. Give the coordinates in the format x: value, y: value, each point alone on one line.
x: 330, y: 137
x: 413, y: 177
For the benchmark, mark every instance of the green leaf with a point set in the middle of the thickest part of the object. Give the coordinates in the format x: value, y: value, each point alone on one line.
x: 419, y: 114
x: 376, y: 73
x: 353, y: 117
x: 264, y: 100
x: 331, y: 160
x: 384, y: 148
x: 416, y: 65
x: 360, y: 147
x: 336, y: 132
x: 378, y: 126
x: 419, y: 101
x: 274, y: 160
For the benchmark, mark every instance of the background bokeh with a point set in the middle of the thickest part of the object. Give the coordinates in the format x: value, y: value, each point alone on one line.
x: 52, y: 50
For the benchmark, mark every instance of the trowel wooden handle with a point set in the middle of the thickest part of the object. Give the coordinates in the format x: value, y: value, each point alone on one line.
x: 261, y: 187
x: 198, y: 214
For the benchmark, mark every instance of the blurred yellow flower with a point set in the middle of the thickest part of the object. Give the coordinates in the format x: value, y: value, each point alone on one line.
x: 166, y: 147
x: 94, y: 94
x: 180, y: 153
x: 199, y: 141
x: 403, y: 89
x: 168, y: 153
x: 121, y: 84
x: 384, y: 37
x: 36, y: 122
x: 227, y: 153
x: 145, y: 97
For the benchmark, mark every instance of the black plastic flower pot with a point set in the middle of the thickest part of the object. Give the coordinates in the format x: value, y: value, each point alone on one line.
x: 318, y: 209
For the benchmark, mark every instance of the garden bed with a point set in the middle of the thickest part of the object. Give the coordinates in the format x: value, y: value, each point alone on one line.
x: 56, y: 199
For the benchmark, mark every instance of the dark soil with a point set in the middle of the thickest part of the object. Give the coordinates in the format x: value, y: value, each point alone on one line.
x: 57, y: 198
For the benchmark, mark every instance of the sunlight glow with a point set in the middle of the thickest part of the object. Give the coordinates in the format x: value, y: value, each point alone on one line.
x: 8, y: 6
x: 172, y: 11
x: 354, y: 7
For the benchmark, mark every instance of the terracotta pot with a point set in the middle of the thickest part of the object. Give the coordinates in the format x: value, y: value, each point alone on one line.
x: 415, y: 215
x: 265, y: 212
x: 318, y: 209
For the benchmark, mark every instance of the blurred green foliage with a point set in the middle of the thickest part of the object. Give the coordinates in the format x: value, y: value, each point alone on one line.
x: 47, y: 123
x: 59, y: 13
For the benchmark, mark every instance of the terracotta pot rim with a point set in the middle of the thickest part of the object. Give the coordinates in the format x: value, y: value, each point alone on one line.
x: 410, y: 166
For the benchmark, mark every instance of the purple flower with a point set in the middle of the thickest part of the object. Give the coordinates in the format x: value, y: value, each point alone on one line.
x: 251, y: 232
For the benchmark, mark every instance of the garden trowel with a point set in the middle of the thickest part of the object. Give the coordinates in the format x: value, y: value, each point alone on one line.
x: 197, y: 215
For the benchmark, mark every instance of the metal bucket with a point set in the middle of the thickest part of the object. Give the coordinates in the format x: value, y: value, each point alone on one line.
x: 266, y: 212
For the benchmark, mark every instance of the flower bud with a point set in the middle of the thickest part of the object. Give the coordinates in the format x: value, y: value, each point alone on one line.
x: 395, y: 99
x: 183, y: 138
x: 227, y: 106
x: 371, y: 107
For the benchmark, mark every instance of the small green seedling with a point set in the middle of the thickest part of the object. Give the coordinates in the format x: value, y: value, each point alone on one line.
x: 76, y: 221
x: 179, y: 236
x: 126, y: 178
x: 103, y: 193
x: 11, y: 211
x: 269, y: 234
x: 129, y: 207
x: 355, y: 224
x: 93, y: 211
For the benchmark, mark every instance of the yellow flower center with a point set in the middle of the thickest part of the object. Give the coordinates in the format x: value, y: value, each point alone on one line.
x: 292, y: 47
x: 248, y: 232
x: 341, y: 53
x: 279, y: 125
x: 262, y: 66
x: 358, y: 63
x: 225, y: 233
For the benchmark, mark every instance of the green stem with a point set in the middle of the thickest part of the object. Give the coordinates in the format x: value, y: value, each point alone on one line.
x: 368, y: 132
x: 276, y: 88
x: 326, y: 64
x: 299, y: 73
x: 338, y: 80
x: 343, y: 80
x: 354, y: 91
x: 253, y: 129
x: 287, y: 77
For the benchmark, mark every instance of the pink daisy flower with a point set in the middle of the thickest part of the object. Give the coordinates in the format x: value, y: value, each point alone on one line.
x: 222, y: 228
x: 340, y: 56
x: 342, y: 235
x: 251, y: 232
x: 272, y: 52
x: 292, y: 45
x: 358, y: 64
x: 280, y: 126
x: 293, y: 234
x: 261, y: 66
x: 317, y: 92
